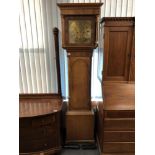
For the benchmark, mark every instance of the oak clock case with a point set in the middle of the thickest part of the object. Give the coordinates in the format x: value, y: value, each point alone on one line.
x: 79, y: 33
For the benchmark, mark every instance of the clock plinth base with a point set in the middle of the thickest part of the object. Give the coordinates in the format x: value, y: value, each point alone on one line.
x: 80, y: 126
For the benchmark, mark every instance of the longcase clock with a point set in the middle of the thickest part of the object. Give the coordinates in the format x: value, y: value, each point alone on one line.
x: 79, y: 38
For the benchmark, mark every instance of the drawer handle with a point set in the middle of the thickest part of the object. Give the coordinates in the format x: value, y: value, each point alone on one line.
x: 68, y: 54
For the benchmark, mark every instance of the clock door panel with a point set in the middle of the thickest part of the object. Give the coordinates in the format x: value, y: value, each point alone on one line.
x: 79, y: 82
x: 117, y: 53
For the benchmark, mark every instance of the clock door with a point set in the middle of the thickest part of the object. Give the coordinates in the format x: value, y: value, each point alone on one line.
x: 79, y: 81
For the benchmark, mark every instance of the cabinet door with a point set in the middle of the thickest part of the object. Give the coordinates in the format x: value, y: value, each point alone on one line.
x: 117, y: 50
x: 79, y: 81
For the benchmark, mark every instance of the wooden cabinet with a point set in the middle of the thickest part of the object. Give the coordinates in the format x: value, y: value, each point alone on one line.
x: 118, y: 49
x: 41, y: 133
x: 116, y: 119
x: 39, y: 124
x: 116, y: 115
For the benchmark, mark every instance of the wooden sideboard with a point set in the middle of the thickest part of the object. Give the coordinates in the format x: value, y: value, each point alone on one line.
x: 39, y: 124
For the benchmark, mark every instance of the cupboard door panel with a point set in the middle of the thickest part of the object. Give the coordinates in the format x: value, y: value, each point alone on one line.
x: 117, y: 53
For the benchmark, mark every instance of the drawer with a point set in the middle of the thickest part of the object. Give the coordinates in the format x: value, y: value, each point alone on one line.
x: 119, y: 114
x: 31, y: 133
x: 33, y: 145
x: 118, y: 147
x: 120, y: 124
x: 40, y: 132
x: 50, y: 131
x: 43, y: 121
x: 119, y: 136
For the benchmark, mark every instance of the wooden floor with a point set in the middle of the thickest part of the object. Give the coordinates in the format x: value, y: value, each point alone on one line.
x: 88, y: 152
x: 79, y: 152
x: 117, y: 154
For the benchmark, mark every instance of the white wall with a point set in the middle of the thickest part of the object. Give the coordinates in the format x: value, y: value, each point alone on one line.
x: 37, y: 56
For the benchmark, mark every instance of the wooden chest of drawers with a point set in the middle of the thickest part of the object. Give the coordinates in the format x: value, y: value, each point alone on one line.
x: 116, y: 127
x: 119, y: 135
x: 39, y: 126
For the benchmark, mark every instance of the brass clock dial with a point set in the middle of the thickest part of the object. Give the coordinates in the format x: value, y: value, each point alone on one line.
x: 80, y: 31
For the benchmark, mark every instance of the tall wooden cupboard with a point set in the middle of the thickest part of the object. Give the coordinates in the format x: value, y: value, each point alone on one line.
x: 116, y: 115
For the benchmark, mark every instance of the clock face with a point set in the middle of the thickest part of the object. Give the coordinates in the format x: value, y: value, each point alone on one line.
x: 80, y: 31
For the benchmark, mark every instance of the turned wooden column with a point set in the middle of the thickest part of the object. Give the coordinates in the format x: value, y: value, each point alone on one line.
x: 56, y: 43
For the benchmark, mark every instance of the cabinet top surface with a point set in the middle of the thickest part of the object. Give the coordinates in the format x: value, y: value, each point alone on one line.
x: 38, y: 107
x: 119, y: 96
